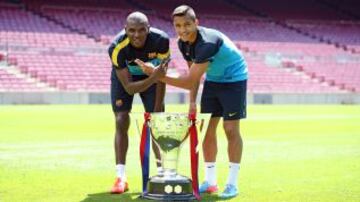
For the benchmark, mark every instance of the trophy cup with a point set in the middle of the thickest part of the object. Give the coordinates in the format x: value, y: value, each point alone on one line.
x: 169, y: 131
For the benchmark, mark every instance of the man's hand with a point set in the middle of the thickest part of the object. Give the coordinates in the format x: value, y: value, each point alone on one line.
x: 159, y: 72
x: 148, y: 68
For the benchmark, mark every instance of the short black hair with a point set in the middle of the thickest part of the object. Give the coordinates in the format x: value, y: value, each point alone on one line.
x: 137, y: 17
x: 184, y: 10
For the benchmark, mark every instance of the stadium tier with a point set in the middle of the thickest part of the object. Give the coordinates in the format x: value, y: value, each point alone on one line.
x: 283, y: 9
x: 202, y: 7
x: 79, y: 73
x: 24, y: 29
x: 341, y: 33
x: 13, y: 82
x: 264, y: 79
x: 61, y: 45
x: 344, y: 75
x: 254, y: 29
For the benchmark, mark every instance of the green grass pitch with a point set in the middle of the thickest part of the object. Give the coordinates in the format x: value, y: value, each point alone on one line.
x: 291, y: 153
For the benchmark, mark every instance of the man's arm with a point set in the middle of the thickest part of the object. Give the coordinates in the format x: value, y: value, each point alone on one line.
x: 190, y: 81
x: 193, y: 93
x: 139, y: 86
x: 160, y: 94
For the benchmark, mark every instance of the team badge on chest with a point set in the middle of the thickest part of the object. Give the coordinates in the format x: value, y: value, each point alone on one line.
x: 152, y: 55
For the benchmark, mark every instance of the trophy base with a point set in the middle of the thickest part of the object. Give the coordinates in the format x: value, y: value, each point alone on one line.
x: 162, y: 188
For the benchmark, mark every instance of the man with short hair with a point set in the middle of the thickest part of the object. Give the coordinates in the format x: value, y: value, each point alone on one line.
x: 137, y: 40
x: 224, y: 92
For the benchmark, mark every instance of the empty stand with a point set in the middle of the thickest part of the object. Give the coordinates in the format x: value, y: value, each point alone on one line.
x: 63, y: 43
x: 12, y: 83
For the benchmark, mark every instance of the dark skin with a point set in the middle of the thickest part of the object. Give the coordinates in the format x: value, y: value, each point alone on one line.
x: 137, y: 30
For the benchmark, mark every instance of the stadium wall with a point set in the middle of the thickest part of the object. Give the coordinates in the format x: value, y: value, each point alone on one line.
x: 7, y: 98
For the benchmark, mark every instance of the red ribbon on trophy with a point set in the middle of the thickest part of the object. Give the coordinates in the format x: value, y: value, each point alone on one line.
x: 194, y: 155
x: 145, y: 151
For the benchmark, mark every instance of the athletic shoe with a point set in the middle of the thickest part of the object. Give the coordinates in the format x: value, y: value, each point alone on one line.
x: 119, y: 186
x: 229, y: 192
x: 205, y: 187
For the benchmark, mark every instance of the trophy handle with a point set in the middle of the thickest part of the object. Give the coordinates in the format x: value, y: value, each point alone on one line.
x: 201, y: 124
x: 135, y: 116
x: 157, y: 145
x: 202, y: 121
x: 138, y: 127
x: 152, y: 137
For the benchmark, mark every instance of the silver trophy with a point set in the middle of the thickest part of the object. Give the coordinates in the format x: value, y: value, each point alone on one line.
x: 169, y: 131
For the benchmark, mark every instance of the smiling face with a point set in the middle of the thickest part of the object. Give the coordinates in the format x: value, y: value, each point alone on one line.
x: 137, y: 33
x: 185, y: 27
